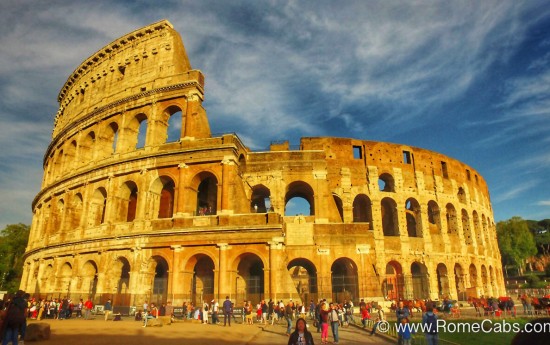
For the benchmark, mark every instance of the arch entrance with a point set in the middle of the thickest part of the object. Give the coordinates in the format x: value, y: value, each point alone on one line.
x: 345, y: 282
x: 304, y: 276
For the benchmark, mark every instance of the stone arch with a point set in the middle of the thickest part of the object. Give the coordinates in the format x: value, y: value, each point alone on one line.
x: 47, y: 279
x: 159, y: 268
x: 414, y: 218
x: 242, y: 164
x: 57, y: 217
x: 452, y: 222
x: 64, y: 280
x: 202, y: 281
x: 137, y: 130
x: 163, y: 192
x: 390, y: 223
x: 386, y: 183
x: 120, y: 281
x: 205, y: 184
x: 128, y: 198
x: 76, y: 211
x: 434, y: 218
x: 443, y: 287
x: 460, y: 283
x: 461, y: 195
x: 98, y: 204
x: 300, y: 189
x: 109, y: 139
x: 339, y: 207
x: 485, y: 232
x: 58, y: 163
x: 477, y: 229
x: 362, y: 210
x: 250, y: 280
x: 485, y: 281
x: 175, y: 123
x: 260, y: 201
x: 472, y: 270
x: 304, y: 276
x: 420, y: 284
x: 88, y: 279
x: 492, y: 279
x: 86, y: 148
x: 345, y: 281
x: 466, y: 229
x: 393, y: 286
x: 70, y: 155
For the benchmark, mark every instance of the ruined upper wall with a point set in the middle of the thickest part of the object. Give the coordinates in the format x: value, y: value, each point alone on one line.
x: 146, y: 59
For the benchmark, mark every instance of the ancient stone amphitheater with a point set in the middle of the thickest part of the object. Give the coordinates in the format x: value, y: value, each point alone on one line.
x: 139, y: 201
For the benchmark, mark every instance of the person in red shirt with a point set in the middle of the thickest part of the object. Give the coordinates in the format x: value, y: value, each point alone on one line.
x: 88, y: 306
x: 365, y: 316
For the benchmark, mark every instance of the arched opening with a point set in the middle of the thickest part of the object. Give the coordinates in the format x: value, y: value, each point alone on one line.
x: 301, y: 191
x: 386, y: 183
x: 128, y: 193
x: 207, y: 195
x: 109, y: 139
x: 59, y: 162
x: 47, y: 280
x: 442, y: 281
x: 160, y: 280
x: 362, y: 210
x: 434, y: 218
x: 421, y: 287
x: 477, y: 229
x: 339, y: 207
x: 57, y: 217
x: 468, y: 238
x: 461, y: 195
x: 163, y: 191
x: 202, y: 285
x: 141, y: 120
x: 493, y: 280
x: 345, y: 282
x: 452, y: 222
x: 485, y: 281
x: 242, y: 164
x: 250, y: 278
x: 86, y: 148
x: 473, y: 281
x: 64, y: 280
x: 485, y: 232
x: 304, y: 276
x: 414, y: 219
x: 260, y: 201
x: 175, y: 123
x: 393, y: 285
x: 389, y: 217
x: 70, y: 155
x: 88, y: 278
x: 76, y: 212
x: 98, y: 204
x: 121, y: 276
x: 459, y: 282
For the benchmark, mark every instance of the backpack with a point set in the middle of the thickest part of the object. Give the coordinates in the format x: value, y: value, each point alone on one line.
x: 431, y: 324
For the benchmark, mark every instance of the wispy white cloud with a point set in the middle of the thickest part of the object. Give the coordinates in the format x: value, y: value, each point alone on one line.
x: 544, y: 203
x: 515, y: 191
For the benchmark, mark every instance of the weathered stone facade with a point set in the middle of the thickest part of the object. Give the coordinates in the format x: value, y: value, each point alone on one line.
x: 129, y: 213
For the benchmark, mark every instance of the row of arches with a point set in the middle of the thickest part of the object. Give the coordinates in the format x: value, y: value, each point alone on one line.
x: 120, y: 135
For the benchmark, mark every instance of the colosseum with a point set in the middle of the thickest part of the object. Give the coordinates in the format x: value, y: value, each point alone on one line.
x: 139, y: 201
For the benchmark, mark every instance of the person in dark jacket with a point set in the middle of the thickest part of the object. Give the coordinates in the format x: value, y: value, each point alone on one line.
x: 301, y: 336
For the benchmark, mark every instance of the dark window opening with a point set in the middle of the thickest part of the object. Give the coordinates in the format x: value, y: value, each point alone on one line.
x: 407, y: 157
x: 468, y: 175
x: 357, y: 152
x: 444, y: 170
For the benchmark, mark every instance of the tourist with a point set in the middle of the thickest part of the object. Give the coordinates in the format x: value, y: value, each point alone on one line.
x: 429, y: 322
x: 153, y: 314
x: 379, y: 320
x: 108, y: 309
x: 264, y: 312
x: 288, y: 317
x: 301, y: 336
x: 401, y: 312
x: 88, y: 306
x: 323, y: 315
x: 15, y: 318
x: 215, y: 308
x: 405, y: 331
x: 227, y: 311
x: 334, y: 321
x: 364, y: 316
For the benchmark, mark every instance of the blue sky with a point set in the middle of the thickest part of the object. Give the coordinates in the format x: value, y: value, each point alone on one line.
x: 468, y: 79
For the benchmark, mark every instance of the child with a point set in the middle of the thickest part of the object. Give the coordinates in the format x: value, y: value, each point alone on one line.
x: 405, y: 331
x: 364, y: 316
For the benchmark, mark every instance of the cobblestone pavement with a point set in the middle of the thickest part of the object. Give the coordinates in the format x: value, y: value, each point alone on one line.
x: 129, y: 332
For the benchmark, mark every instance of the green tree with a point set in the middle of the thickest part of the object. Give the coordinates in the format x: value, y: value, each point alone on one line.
x: 515, y: 241
x: 13, y: 241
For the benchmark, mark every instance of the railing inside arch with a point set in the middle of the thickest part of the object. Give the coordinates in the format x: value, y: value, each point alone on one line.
x: 344, y: 287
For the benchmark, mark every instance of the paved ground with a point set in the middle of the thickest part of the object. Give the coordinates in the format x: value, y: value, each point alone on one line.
x: 129, y: 332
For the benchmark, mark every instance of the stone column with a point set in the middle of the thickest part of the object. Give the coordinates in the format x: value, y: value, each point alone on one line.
x: 224, y: 288
x: 175, y: 276
x: 228, y: 182
x: 180, y: 200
